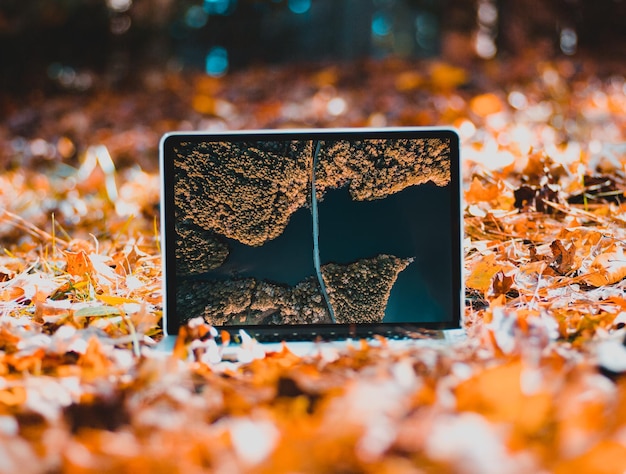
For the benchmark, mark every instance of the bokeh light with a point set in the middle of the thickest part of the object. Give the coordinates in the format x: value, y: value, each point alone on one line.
x: 119, y: 5
x: 299, y: 6
x: 426, y: 31
x: 487, y: 20
x: 568, y: 41
x: 381, y: 24
x: 216, y: 61
x: 196, y: 17
x: 219, y: 7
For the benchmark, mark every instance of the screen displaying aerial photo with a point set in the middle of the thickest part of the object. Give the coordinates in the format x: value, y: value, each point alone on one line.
x: 286, y: 231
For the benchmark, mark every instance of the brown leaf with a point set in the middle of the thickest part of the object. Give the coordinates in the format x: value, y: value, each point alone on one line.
x: 563, y: 262
x: 501, y: 283
x: 528, y: 197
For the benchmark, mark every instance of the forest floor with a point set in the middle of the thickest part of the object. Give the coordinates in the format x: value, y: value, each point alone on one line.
x: 537, y: 386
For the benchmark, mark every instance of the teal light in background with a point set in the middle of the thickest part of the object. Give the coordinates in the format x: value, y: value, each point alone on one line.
x: 299, y: 6
x: 426, y: 31
x: 381, y: 24
x: 216, y: 61
x: 219, y: 7
x: 196, y: 17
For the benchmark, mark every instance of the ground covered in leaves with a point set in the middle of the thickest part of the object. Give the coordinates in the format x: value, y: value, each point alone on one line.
x: 538, y: 385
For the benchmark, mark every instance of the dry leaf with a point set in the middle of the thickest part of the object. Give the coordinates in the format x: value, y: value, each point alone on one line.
x: 482, y: 273
x: 501, y: 283
x: 94, y: 405
x: 11, y: 294
x: 607, y: 268
x: 115, y: 300
x: 78, y: 263
x: 563, y: 258
x: 606, y: 457
x: 497, y: 394
x: 478, y: 192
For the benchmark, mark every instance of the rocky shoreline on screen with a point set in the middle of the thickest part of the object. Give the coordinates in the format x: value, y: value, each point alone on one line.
x: 248, y: 191
x: 358, y: 291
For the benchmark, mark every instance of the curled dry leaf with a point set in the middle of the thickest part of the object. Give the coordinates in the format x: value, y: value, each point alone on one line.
x: 607, y: 268
x: 11, y: 294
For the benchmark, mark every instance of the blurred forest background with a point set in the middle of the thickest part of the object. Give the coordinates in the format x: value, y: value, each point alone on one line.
x: 80, y: 44
x: 127, y: 70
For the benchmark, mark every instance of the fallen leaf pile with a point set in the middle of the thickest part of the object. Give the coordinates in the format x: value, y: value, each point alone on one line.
x: 538, y: 385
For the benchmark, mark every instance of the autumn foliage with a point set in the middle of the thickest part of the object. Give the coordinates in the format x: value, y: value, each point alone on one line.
x: 537, y: 386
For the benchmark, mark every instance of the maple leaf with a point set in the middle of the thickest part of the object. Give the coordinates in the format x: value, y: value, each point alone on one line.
x: 78, y: 263
x: 478, y: 192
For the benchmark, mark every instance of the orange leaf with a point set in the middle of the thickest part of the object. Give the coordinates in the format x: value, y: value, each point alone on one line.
x: 14, y: 396
x: 11, y: 293
x: 497, y: 394
x: 94, y: 362
x: 78, y: 263
x: 606, y: 457
x: 408, y: 80
x: 607, y: 268
x: 478, y: 192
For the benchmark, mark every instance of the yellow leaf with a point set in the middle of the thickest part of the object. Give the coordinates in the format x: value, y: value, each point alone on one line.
x: 96, y: 311
x: 115, y: 300
x: 482, y: 274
